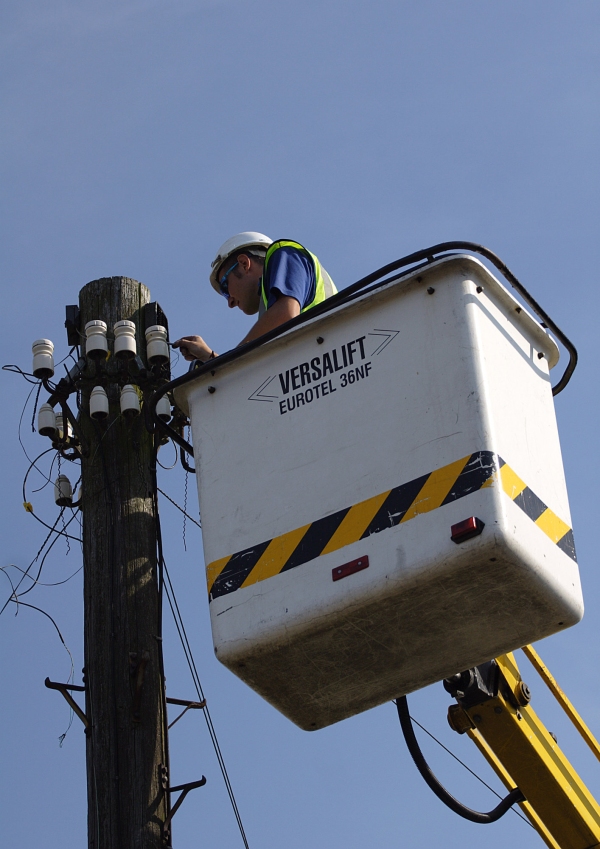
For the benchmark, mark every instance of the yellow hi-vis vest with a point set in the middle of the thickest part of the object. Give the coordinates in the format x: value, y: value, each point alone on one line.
x: 324, y: 285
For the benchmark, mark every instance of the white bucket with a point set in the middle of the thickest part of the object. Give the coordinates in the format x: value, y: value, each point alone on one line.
x: 333, y: 463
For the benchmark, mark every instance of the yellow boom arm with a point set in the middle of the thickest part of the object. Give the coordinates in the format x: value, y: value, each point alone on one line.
x: 494, y: 710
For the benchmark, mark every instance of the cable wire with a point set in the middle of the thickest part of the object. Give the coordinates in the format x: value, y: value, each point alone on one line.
x: 166, y: 586
x: 168, y: 468
x: 40, y: 550
x: 52, y: 528
x: 61, y: 739
x: 170, y: 593
x: 32, y: 465
x: 35, y: 404
x: 185, y: 500
x: 174, y: 503
x: 35, y: 581
x: 474, y: 774
x: 27, y: 375
x: 514, y: 796
x: 46, y: 553
x: 49, y: 478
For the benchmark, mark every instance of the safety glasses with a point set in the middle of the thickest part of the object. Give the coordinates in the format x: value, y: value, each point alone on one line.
x: 223, y: 285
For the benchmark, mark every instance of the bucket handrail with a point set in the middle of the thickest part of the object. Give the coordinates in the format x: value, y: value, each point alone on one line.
x: 376, y: 279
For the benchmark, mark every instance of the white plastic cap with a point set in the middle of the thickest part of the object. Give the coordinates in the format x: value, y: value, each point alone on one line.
x: 46, y: 423
x: 130, y: 402
x: 98, y: 403
x: 157, y: 349
x: 96, y: 345
x: 63, y: 491
x: 125, y: 345
x: 163, y: 409
x: 43, y: 358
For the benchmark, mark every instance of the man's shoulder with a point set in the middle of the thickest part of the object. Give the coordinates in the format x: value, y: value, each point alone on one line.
x: 286, y: 252
x: 285, y: 245
x: 291, y: 272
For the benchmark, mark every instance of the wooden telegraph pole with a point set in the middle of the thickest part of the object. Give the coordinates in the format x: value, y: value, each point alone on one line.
x: 127, y: 750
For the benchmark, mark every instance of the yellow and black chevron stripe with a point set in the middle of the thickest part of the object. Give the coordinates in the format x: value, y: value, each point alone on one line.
x: 558, y: 531
x: 379, y: 513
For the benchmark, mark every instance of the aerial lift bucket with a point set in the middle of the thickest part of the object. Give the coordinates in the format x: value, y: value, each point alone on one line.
x: 382, y: 494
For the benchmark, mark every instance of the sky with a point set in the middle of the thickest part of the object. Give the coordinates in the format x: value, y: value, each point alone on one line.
x: 138, y: 136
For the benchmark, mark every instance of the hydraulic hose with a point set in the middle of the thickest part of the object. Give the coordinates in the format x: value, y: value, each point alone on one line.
x: 440, y: 791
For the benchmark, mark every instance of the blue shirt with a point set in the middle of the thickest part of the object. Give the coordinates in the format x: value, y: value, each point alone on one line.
x: 290, y: 272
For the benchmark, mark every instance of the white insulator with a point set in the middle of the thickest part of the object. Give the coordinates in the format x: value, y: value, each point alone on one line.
x: 157, y: 349
x: 46, y: 423
x: 125, y: 346
x: 60, y: 431
x: 96, y: 346
x: 163, y: 409
x: 98, y: 403
x: 43, y: 358
x: 130, y: 402
x: 63, y: 491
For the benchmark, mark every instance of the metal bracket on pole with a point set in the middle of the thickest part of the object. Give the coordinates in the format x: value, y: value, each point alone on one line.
x: 64, y: 689
x: 185, y: 788
x: 187, y: 706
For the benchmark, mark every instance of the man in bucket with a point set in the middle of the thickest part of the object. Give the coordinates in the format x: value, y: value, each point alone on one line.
x: 278, y: 280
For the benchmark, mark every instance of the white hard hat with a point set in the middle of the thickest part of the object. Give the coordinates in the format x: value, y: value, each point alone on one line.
x: 236, y: 243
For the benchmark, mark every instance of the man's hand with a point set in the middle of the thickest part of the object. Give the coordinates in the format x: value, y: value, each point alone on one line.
x: 193, y: 348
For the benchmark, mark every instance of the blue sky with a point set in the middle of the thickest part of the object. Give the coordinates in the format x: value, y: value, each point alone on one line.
x: 136, y: 138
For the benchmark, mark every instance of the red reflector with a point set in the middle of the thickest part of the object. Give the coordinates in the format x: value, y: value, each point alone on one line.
x: 466, y: 529
x: 349, y: 568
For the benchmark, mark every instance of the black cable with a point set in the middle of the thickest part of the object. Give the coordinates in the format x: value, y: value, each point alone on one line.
x: 60, y: 533
x: 43, y: 545
x: 35, y: 516
x: 66, y: 357
x: 21, y: 422
x: 16, y: 370
x: 29, y: 507
x: 35, y: 403
x: 160, y: 569
x: 175, y: 504
x: 170, y: 593
x: 167, y: 587
x: 32, y: 465
x: 46, y: 553
x: 50, y: 470
x: 197, y: 684
x: 168, y: 468
x: 61, y: 739
x: 474, y: 774
x: 184, y: 462
x: 12, y: 586
x: 39, y: 609
x: 35, y: 581
x: 185, y: 514
x: 16, y: 600
x: 440, y: 791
